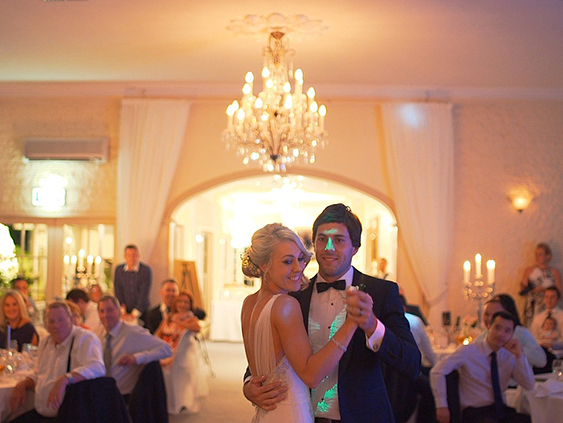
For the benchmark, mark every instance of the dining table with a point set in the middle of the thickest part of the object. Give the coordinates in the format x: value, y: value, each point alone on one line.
x: 6, y: 387
x: 544, y: 403
x: 15, y: 367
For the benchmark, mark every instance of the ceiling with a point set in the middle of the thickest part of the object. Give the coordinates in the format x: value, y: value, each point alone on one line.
x: 370, y: 47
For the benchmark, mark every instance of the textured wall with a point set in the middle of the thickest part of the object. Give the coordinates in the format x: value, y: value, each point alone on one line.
x: 91, y: 187
x: 500, y: 147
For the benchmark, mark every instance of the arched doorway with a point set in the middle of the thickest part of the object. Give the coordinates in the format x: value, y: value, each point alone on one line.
x: 212, y: 228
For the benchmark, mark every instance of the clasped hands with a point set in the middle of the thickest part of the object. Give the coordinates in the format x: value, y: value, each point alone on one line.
x: 359, y: 305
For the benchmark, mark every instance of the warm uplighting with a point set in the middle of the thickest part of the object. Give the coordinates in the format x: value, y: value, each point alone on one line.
x: 279, y: 125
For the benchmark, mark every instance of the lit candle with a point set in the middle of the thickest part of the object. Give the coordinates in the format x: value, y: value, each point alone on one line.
x: 98, y: 264
x: 90, y: 261
x: 73, y: 267
x: 478, y: 273
x: 81, y: 255
x: 466, y: 270
x: 66, y: 261
x: 490, y: 271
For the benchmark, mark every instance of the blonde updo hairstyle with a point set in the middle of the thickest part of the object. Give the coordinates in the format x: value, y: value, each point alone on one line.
x: 264, y: 241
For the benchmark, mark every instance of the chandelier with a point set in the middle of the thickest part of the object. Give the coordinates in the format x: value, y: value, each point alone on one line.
x: 282, y: 124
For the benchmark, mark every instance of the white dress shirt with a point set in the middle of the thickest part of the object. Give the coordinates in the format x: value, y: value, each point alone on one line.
x: 135, y: 340
x: 52, y: 362
x: 423, y: 343
x: 532, y: 350
x: 327, y: 313
x: 91, y: 317
x: 474, y: 364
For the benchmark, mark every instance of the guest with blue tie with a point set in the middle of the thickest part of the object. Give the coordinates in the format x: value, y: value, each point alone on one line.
x: 485, y: 368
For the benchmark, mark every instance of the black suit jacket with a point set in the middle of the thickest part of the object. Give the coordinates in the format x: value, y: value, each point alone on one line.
x: 362, y: 393
x: 154, y: 318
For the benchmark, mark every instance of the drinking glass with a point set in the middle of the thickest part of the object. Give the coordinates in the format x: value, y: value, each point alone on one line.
x: 558, y: 368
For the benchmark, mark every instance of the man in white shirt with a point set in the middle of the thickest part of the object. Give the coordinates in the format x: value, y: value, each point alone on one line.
x: 126, y: 347
x: 477, y: 364
x: 89, y: 309
x: 551, y: 298
x: 66, y: 346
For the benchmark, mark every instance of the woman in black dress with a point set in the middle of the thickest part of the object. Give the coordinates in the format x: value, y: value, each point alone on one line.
x: 13, y: 312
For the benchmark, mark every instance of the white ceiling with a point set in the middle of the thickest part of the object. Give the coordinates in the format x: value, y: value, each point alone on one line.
x: 370, y: 45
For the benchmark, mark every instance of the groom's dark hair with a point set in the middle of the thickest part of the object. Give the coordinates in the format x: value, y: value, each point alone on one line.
x: 340, y: 213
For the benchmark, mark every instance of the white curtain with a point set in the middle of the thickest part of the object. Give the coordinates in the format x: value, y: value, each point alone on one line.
x: 151, y: 136
x: 420, y: 154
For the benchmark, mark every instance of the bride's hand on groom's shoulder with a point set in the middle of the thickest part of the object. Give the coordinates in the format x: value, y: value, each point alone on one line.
x: 264, y: 396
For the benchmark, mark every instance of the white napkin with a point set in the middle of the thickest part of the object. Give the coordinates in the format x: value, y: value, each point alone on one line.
x: 548, y: 388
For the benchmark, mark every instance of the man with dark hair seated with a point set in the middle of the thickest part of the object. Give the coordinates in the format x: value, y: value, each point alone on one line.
x: 126, y: 347
x: 485, y: 368
x: 88, y: 309
x: 168, y: 292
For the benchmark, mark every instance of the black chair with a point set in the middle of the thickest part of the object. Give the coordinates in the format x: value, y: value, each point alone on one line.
x: 402, y: 394
x: 93, y: 401
x: 452, y: 394
x: 147, y: 403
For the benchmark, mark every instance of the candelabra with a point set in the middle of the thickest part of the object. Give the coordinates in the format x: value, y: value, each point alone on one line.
x: 81, y: 273
x: 478, y: 290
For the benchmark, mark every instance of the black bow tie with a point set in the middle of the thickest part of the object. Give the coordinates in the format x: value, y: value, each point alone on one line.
x: 323, y: 286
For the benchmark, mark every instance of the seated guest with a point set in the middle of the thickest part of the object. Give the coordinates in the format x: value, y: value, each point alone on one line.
x: 168, y: 292
x: 549, y: 333
x: 426, y: 406
x: 76, y: 313
x: 423, y: 343
x: 126, y: 347
x: 181, y: 319
x: 95, y: 292
x: 21, y: 284
x: 14, y: 314
x: 184, y: 371
x: 88, y: 308
x: 66, y: 346
x: 551, y: 298
x: 485, y: 369
x: 532, y: 350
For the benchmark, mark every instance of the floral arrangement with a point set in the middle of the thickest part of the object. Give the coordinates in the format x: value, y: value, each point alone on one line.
x: 8, y: 263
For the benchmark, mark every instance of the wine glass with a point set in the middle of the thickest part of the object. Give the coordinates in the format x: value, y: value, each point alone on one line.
x: 558, y: 368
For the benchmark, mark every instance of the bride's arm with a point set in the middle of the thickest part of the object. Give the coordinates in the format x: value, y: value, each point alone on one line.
x: 311, y: 368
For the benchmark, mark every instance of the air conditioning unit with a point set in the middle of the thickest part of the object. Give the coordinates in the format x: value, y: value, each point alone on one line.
x: 86, y: 149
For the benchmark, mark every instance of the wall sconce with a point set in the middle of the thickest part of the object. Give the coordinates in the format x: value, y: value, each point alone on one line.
x: 521, y: 200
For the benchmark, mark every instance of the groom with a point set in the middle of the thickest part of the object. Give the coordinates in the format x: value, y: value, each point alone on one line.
x: 354, y: 392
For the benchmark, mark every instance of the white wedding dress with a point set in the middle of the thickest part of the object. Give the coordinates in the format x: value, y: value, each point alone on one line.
x: 296, y: 408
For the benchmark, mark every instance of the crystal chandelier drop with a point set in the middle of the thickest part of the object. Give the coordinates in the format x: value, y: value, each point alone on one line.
x: 281, y: 124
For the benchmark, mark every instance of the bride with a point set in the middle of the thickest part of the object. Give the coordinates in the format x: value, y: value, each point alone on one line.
x: 274, y: 335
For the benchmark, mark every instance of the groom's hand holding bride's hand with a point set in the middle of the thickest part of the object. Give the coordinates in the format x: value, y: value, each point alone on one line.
x: 360, y: 309
x: 264, y: 396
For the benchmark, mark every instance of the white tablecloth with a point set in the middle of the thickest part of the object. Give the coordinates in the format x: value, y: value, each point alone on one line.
x: 6, y: 388
x: 542, y: 409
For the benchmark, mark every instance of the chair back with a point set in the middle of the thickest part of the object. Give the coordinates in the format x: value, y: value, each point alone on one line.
x: 148, y: 399
x: 452, y: 393
x: 93, y: 401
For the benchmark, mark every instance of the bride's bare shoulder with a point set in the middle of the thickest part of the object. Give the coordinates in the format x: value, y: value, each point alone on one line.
x: 284, y: 305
